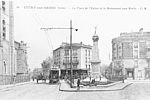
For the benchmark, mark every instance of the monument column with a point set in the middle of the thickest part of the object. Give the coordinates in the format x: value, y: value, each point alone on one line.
x: 95, y: 62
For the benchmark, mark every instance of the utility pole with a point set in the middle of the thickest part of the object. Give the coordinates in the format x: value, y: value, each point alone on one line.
x: 71, y: 80
x: 70, y: 28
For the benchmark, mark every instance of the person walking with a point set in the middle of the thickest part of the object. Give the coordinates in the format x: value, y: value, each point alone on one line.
x: 78, y: 84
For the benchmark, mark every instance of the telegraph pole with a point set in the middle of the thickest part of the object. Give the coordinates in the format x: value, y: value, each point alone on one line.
x: 70, y: 28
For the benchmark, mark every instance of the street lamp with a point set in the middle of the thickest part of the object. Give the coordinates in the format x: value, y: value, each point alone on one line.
x: 71, y: 28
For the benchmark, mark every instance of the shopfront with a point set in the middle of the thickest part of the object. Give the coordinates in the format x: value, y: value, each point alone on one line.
x: 130, y: 73
x: 147, y: 73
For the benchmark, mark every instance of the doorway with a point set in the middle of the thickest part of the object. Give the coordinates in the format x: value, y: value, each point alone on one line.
x: 130, y: 73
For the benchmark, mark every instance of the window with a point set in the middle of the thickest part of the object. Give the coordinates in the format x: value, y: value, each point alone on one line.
x: 66, y: 52
x: 120, y: 57
x: 74, y: 52
x: 4, y: 29
x: 136, y: 45
x: 59, y: 53
x: 142, y: 49
x: 4, y: 32
x: 89, y: 52
x: 86, y: 66
x: 75, y: 58
x: 3, y: 6
x: 114, y: 46
x: 85, y: 52
x: 3, y: 3
x: 85, y: 59
x: 4, y: 62
x: 3, y: 22
x: 4, y: 35
x: 67, y: 59
x: 135, y: 53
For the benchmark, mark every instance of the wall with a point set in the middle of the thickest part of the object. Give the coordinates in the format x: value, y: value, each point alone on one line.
x: 6, y: 58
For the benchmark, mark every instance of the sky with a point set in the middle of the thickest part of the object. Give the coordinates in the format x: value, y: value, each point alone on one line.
x: 111, y: 17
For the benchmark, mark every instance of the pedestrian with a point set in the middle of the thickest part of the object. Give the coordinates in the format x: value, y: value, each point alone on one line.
x: 123, y: 79
x: 78, y: 84
x: 33, y: 78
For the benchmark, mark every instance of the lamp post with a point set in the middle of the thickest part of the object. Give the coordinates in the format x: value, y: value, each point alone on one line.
x: 70, y: 28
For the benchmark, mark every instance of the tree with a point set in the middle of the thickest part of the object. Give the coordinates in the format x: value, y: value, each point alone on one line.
x: 46, y: 65
x: 104, y: 69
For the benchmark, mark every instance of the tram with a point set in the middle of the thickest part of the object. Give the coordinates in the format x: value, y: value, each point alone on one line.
x: 54, y: 75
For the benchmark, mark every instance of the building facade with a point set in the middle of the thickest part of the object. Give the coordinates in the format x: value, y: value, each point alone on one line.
x: 6, y: 31
x: 81, y: 57
x: 21, y: 58
x: 131, y: 55
x: 10, y: 55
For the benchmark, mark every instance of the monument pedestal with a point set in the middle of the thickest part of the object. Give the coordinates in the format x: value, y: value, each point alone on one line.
x: 95, y: 73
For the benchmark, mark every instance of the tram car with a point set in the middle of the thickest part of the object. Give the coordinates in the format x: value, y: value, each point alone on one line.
x: 54, y: 76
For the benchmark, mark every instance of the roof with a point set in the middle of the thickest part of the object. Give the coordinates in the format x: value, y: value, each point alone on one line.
x: 63, y: 45
x: 132, y: 36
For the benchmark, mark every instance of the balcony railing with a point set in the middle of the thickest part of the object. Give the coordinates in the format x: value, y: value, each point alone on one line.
x: 74, y: 62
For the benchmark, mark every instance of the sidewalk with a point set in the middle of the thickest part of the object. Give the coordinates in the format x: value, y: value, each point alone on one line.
x: 139, y: 81
x: 3, y: 87
x: 117, y: 86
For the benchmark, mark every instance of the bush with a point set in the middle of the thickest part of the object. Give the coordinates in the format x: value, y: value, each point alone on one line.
x: 116, y: 78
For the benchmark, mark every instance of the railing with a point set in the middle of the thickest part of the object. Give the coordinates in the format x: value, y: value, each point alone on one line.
x: 65, y: 62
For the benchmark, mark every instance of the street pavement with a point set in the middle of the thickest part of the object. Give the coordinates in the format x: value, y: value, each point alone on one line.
x: 136, y: 91
x: 32, y: 91
x: 43, y: 91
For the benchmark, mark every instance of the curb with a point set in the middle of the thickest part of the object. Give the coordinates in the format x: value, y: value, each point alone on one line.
x: 94, y: 90
x: 14, y: 85
x: 112, y: 84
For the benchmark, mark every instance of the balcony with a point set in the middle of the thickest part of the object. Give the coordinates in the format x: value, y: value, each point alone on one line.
x: 74, y: 62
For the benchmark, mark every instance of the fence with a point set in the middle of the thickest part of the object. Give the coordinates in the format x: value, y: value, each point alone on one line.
x: 8, y: 79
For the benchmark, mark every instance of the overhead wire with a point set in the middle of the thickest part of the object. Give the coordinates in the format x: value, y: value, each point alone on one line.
x: 40, y: 23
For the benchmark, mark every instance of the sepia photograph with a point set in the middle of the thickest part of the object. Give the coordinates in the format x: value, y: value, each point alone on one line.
x: 74, y: 50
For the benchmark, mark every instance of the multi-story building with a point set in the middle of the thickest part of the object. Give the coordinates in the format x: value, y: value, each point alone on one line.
x: 131, y: 54
x: 10, y: 56
x: 6, y: 40
x: 81, y: 57
x: 21, y: 58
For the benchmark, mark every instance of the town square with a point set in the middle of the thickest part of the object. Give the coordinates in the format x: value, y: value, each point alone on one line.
x: 79, y: 50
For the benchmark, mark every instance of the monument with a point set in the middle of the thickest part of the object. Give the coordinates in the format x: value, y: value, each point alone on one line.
x: 95, y: 62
